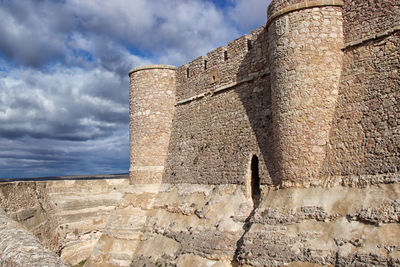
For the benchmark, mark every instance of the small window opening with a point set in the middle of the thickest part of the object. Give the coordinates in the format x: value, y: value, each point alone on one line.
x: 187, y: 73
x: 255, y: 181
x: 225, y: 55
x: 205, y: 64
x: 249, y: 45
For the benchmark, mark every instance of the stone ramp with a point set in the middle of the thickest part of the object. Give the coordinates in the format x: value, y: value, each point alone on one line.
x: 20, y: 248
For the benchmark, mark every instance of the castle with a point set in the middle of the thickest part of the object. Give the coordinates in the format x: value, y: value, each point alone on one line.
x: 280, y: 149
x: 310, y: 97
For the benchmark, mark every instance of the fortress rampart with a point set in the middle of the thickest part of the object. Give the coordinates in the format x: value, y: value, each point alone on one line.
x: 230, y: 95
x: 364, y: 138
x: 278, y: 94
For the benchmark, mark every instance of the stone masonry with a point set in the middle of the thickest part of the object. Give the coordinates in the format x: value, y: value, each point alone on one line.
x: 313, y: 95
x: 152, y: 99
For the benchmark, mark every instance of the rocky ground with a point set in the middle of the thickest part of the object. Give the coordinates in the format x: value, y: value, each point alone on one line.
x: 206, y: 225
x: 112, y: 223
x: 68, y: 216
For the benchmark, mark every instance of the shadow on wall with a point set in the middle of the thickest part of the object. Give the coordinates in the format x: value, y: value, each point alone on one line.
x: 255, y: 97
x: 223, y: 117
x: 364, y: 136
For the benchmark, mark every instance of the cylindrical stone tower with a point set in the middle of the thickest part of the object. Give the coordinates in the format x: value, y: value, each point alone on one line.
x: 151, y: 101
x: 305, y: 41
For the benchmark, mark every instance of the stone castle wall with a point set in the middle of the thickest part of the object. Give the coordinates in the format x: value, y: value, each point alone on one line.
x: 369, y: 19
x: 222, y: 67
x: 222, y: 115
x: 281, y: 94
x: 313, y: 96
x: 364, y: 139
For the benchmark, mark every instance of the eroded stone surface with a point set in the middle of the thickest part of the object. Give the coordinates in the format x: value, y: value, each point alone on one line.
x: 160, y: 228
x: 318, y: 226
x: 67, y: 216
x: 20, y: 248
x: 219, y: 225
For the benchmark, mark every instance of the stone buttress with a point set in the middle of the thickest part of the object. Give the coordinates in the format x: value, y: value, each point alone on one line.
x: 152, y: 99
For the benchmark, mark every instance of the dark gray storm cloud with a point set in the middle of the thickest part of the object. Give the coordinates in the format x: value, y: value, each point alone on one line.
x: 63, y: 73
x: 37, y: 33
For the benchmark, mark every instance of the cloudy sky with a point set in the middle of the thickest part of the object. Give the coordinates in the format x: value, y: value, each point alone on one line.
x: 64, y: 73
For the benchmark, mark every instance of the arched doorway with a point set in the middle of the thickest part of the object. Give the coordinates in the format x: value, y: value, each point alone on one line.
x: 255, y: 181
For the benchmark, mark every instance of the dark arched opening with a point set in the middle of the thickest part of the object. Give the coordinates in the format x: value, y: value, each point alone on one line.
x: 255, y: 181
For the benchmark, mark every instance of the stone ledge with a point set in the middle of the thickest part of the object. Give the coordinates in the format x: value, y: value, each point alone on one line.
x: 355, y: 181
x: 219, y: 222
x: 378, y: 35
x: 303, y: 5
x: 147, y: 168
x: 150, y: 67
x: 223, y: 88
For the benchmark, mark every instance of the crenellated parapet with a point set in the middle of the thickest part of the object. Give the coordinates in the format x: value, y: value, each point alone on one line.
x: 222, y: 66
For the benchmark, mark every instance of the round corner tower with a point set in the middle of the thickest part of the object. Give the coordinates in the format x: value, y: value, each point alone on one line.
x: 305, y: 40
x: 151, y: 103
